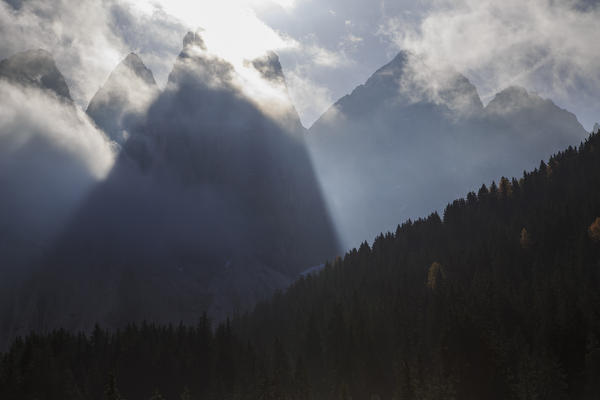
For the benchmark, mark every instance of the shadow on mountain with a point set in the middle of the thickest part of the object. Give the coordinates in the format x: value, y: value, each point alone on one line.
x: 211, y: 205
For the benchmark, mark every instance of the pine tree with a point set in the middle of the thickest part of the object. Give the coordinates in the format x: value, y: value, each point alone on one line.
x: 111, y: 392
x: 594, y: 230
x: 524, y: 239
x: 185, y: 395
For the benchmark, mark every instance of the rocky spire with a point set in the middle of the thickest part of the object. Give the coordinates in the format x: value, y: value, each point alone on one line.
x: 121, y: 102
x: 35, y: 68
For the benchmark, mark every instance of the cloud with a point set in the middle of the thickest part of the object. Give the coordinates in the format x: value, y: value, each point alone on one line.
x: 314, y: 54
x: 89, y: 38
x: 51, y: 155
x: 62, y: 125
x: 77, y: 34
x: 545, y: 45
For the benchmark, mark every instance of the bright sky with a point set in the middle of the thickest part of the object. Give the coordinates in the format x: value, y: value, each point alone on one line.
x: 230, y: 28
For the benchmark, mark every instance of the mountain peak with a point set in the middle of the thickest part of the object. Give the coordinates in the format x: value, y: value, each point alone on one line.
x: 269, y: 67
x: 399, y: 60
x: 133, y: 61
x: 193, y: 39
x: 392, y: 69
x: 119, y: 104
x: 514, y: 91
x: 510, y: 97
x: 35, y: 68
x: 382, y: 86
x: 401, y: 83
x: 596, y: 128
x: 131, y: 68
x: 515, y: 98
x: 134, y: 64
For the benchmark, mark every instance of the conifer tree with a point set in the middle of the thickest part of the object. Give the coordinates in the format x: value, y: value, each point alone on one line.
x: 594, y: 230
x: 111, y: 392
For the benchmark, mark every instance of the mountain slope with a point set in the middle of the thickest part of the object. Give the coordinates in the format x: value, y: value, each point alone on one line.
x: 381, y: 150
x: 497, y: 300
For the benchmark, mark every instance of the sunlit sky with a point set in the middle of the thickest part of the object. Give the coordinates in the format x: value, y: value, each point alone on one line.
x: 230, y: 27
x: 326, y: 47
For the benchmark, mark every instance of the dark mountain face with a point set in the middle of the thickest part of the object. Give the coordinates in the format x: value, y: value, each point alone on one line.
x: 410, y: 138
x: 35, y: 68
x: 205, y: 131
x: 120, y: 106
x: 211, y: 205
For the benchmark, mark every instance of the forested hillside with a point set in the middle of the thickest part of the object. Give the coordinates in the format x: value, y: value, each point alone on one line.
x: 496, y: 299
